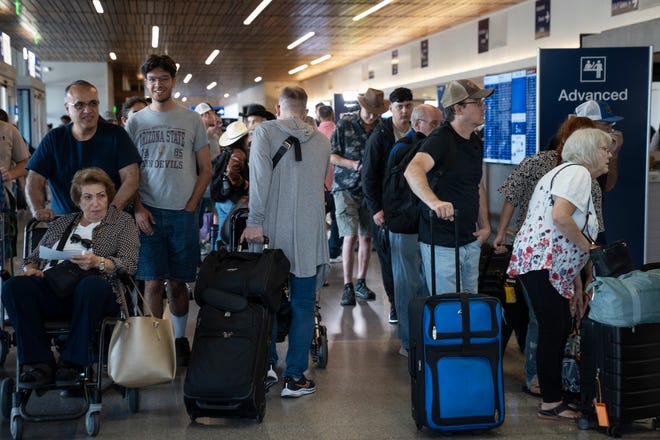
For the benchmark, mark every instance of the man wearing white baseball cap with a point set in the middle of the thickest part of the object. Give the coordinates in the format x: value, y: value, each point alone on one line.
x: 452, y: 155
x: 213, y: 127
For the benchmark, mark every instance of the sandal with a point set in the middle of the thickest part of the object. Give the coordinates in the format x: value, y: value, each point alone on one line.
x: 36, y: 376
x: 555, y: 413
x: 68, y: 372
x: 532, y: 390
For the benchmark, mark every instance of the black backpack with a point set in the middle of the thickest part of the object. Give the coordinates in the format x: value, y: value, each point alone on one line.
x: 221, y: 188
x: 400, y: 204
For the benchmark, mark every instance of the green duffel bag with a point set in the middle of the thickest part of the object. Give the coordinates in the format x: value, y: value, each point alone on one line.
x: 630, y: 299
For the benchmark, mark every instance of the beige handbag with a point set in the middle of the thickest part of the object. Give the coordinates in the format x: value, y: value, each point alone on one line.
x: 142, y: 351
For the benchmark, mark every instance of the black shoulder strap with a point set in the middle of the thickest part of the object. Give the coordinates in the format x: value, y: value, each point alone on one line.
x: 64, y: 238
x: 289, y: 142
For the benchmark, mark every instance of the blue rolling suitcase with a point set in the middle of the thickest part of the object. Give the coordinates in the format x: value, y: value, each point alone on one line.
x: 455, y: 360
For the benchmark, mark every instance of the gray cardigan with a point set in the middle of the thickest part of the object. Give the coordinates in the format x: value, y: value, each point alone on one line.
x: 288, y: 201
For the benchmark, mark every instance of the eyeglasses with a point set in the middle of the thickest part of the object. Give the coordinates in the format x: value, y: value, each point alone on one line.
x: 79, y: 105
x: 154, y: 79
x: 433, y: 124
x: 87, y: 243
x: 481, y: 102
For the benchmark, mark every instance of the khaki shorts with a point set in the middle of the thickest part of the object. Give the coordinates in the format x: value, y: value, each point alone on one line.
x: 352, y: 217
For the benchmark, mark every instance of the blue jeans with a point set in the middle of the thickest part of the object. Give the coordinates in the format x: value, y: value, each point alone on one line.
x: 223, y: 208
x: 303, y: 306
x: 408, y: 276
x: 530, y: 341
x: 29, y: 302
x: 445, y: 267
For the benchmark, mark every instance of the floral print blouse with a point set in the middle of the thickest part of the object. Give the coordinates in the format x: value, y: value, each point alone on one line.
x: 539, y: 244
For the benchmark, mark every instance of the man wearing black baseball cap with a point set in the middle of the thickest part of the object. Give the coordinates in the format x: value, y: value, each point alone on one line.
x: 386, y: 133
x: 453, y: 155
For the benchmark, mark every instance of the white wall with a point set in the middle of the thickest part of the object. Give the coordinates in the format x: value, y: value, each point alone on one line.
x: 64, y: 73
x: 453, y: 53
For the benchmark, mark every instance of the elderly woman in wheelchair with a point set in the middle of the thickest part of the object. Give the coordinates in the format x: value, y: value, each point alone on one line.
x: 100, y: 241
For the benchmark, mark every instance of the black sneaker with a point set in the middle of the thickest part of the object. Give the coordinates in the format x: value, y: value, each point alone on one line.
x: 182, y: 351
x: 363, y: 292
x: 348, y: 296
x: 297, y: 388
x: 393, y: 316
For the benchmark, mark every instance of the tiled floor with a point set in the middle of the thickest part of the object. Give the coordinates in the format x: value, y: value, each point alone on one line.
x: 364, y: 393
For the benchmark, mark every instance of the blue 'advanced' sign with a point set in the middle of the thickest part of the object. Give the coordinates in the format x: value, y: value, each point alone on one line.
x: 621, y: 77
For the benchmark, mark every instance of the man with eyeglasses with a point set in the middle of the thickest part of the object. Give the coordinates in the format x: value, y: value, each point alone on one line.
x: 378, y: 147
x: 175, y: 171
x: 402, y: 219
x: 446, y: 174
x: 86, y: 142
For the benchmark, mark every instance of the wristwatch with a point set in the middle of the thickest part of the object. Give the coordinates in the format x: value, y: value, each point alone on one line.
x: 102, y: 265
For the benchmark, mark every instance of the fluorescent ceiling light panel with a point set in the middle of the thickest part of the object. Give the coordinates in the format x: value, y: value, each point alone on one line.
x: 177, y: 66
x: 187, y: 79
x: 210, y: 86
x: 320, y: 59
x: 176, y: 95
x: 298, y: 69
x: 154, y: 36
x: 113, y: 56
x: 98, y: 6
x: 301, y: 40
x: 258, y: 79
x: 372, y: 9
x: 211, y: 57
x: 256, y: 12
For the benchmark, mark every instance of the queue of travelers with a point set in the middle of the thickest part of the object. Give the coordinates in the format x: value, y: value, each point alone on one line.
x: 131, y: 198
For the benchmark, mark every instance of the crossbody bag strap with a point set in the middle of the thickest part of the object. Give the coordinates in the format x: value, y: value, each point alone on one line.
x: 64, y: 239
x: 584, y: 230
x: 289, y: 142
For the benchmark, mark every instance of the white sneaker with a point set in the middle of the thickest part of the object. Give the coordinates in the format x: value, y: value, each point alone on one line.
x: 403, y: 352
x: 271, y: 377
x: 336, y: 260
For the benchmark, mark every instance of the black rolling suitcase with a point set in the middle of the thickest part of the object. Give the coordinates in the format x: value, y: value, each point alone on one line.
x: 455, y: 359
x: 239, y: 293
x: 620, y: 368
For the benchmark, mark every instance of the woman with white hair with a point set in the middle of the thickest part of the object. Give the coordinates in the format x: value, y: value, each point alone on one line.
x: 551, y: 248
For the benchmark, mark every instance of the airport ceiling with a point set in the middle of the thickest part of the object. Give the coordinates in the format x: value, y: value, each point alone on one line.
x: 72, y: 30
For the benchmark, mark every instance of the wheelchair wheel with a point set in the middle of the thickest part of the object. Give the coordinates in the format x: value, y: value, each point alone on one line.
x: 6, y: 390
x: 16, y: 427
x: 92, y: 423
x: 133, y: 399
x: 322, y: 348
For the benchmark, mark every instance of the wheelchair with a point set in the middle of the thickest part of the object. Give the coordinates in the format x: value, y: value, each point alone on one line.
x: 87, y: 388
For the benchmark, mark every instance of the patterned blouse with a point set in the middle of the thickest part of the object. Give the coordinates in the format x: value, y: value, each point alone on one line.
x: 115, y: 238
x: 540, y: 244
x: 517, y: 189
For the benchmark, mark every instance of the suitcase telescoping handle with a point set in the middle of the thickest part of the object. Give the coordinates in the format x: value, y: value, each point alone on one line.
x: 457, y: 259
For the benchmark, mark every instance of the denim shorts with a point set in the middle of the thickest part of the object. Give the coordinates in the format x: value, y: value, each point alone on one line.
x: 172, y: 251
x: 352, y: 217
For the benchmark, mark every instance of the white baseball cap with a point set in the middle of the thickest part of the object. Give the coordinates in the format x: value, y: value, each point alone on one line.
x: 203, y: 108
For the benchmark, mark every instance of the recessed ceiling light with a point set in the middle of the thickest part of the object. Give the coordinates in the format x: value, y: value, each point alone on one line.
x: 298, y: 69
x: 177, y: 66
x: 301, y: 40
x: 258, y: 79
x: 113, y: 56
x: 211, y: 57
x: 320, y: 59
x: 372, y: 10
x: 226, y: 95
x: 176, y: 95
x: 256, y: 12
x: 184, y: 99
x: 98, y: 6
x: 154, y: 36
x: 187, y: 79
x: 210, y: 86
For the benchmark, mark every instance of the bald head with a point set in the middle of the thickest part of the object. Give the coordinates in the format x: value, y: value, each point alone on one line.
x: 426, y: 118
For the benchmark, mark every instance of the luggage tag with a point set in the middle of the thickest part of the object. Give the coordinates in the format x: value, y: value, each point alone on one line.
x: 601, y: 408
x: 509, y: 292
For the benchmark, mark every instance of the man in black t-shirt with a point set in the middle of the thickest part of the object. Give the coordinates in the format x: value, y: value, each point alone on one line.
x: 446, y: 174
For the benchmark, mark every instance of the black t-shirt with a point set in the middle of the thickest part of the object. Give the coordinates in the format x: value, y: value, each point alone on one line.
x: 454, y: 178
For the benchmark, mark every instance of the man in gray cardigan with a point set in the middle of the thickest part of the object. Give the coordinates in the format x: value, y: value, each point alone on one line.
x: 287, y: 205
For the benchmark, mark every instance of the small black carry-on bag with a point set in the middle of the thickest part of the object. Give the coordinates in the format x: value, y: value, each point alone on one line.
x: 238, y: 294
x: 455, y: 359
